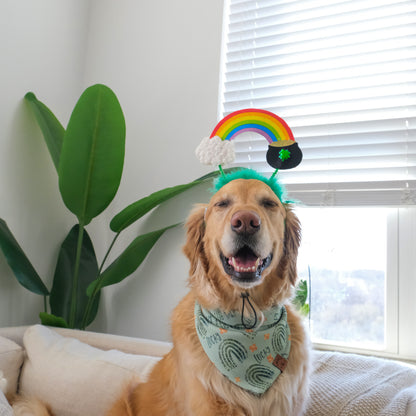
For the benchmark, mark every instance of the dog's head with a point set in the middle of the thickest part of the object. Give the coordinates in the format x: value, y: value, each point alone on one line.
x: 245, y: 239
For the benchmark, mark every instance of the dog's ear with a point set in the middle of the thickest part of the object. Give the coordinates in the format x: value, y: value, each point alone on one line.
x: 194, y: 245
x: 291, y: 245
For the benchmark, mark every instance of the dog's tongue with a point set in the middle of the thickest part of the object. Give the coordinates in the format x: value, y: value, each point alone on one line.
x: 244, y: 260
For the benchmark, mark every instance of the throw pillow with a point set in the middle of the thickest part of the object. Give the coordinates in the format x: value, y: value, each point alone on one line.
x: 75, y: 378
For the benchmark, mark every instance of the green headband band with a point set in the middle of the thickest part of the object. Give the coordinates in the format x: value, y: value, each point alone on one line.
x: 272, y: 182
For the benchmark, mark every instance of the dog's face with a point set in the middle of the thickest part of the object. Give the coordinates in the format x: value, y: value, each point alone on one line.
x: 244, y: 239
x: 245, y: 223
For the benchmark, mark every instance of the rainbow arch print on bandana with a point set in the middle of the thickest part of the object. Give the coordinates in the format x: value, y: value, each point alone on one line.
x: 269, y: 125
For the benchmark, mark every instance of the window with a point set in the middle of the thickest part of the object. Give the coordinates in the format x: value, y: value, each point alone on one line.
x: 343, y: 76
x: 344, y: 259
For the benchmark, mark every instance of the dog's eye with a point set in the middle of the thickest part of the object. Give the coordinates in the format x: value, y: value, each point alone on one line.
x: 223, y: 203
x: 269, y: 203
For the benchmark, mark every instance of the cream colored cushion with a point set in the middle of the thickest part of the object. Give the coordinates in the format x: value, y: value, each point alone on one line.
x: 11, y: 359
x: 75, y: 378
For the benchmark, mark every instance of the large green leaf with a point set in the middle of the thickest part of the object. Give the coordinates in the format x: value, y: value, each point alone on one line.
x: 141, y: 207
x: 52, y: 129
x: 19, y: 263
x: 137, y: 209
x: 128, y: 261
x: 92, y: 155
x: 61, y: 293
x: 215, y: 173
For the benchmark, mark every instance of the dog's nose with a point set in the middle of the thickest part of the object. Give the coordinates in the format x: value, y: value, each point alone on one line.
x: 245, y: 222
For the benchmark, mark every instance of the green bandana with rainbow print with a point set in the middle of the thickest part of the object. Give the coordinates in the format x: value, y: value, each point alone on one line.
x: 251, y: 358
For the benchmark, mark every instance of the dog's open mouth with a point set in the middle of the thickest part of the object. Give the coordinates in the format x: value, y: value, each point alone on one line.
x: 245, y: 266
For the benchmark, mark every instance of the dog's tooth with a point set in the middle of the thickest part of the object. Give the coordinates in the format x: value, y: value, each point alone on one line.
x: 234, y: 264
x: 240, y: 269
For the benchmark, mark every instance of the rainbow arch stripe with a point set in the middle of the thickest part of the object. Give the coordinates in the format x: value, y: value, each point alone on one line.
x: 269, y: 125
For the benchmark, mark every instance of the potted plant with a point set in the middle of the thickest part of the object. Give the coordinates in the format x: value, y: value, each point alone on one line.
x: 88, y: 156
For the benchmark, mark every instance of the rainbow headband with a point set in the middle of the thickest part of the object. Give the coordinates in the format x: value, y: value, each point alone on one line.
x: 283, y: 151
x: 263, y: 122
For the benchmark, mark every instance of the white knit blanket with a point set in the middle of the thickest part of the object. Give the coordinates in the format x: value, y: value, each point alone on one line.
x: 352, y: 385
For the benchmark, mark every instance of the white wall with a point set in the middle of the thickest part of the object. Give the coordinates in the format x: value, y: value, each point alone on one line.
x: 41, y: 50
x: 162, y: 59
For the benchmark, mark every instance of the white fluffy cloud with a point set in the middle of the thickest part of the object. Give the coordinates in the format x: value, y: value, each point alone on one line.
x: 215, y: 151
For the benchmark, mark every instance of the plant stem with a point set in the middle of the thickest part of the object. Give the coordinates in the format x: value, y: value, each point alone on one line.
x: 75, y: 277
x: 97, y: 287
x: 45, y: 305
x: 108, y: 252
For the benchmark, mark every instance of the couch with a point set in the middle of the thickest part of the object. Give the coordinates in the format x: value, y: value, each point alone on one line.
x: 82, y: 373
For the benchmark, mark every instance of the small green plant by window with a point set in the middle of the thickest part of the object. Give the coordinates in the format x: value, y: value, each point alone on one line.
x: 301, y: 298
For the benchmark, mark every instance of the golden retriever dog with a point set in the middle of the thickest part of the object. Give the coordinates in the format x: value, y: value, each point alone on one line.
x: 239, y: 347
x: 244, y: 242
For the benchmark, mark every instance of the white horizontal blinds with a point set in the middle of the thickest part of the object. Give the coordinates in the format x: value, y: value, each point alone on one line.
x: 343, y: 76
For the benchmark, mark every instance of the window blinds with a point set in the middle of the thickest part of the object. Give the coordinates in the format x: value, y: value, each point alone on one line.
x: 343, y: 76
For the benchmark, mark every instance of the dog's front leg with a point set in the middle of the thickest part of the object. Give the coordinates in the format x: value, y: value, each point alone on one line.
x: 200, y: 402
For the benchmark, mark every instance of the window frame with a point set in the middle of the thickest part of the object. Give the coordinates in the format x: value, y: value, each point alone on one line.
x: 400, y: 327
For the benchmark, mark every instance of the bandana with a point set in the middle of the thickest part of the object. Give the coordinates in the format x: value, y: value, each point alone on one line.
x: 250, y: 358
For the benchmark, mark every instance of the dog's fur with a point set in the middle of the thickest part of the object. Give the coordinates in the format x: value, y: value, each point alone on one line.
x: 185, y: 382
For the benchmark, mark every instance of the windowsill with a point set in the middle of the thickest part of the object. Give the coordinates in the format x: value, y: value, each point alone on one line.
x: 362, y: 351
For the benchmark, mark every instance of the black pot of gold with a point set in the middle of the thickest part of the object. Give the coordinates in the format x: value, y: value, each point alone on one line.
x: 284, y: 154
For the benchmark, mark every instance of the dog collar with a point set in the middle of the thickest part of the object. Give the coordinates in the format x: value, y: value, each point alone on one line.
x: 250, y: 358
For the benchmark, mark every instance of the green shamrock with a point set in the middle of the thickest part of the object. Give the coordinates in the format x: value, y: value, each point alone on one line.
x: 284, y: 154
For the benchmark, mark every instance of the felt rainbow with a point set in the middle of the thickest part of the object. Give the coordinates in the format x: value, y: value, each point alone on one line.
x: 263, y: 122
